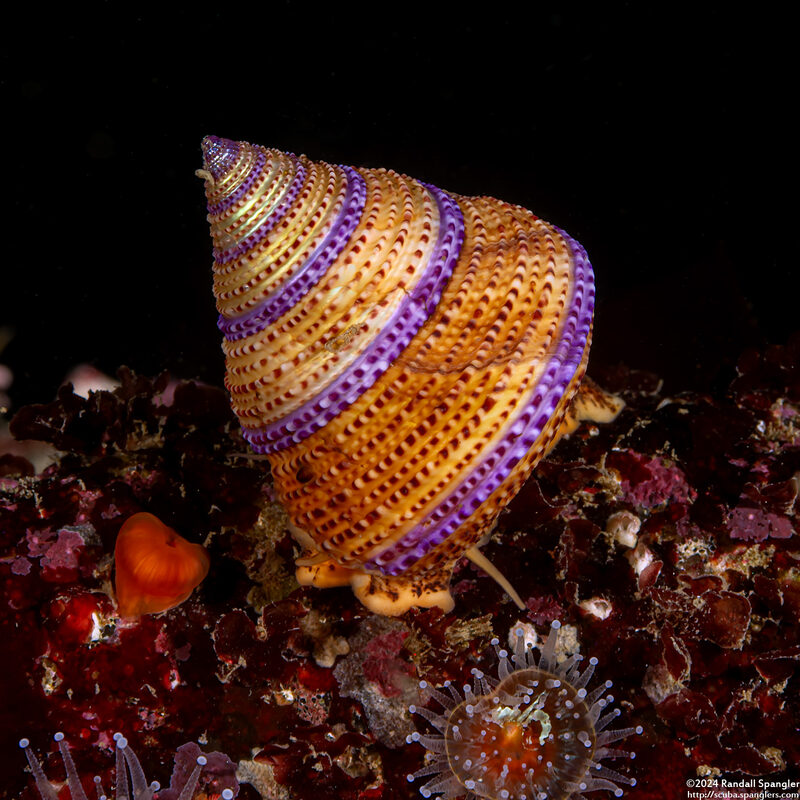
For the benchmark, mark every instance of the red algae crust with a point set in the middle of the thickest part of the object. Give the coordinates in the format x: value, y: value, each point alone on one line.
x: 666, y: 542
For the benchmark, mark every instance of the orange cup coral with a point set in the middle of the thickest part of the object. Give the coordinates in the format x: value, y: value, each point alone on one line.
x: 156, y: 568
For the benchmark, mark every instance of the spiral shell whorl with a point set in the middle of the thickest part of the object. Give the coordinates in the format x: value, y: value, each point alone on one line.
x: 405, y: 356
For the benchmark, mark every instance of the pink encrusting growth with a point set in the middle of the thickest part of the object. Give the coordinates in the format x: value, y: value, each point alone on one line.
x: 535, y: 733
x: 131, y: 783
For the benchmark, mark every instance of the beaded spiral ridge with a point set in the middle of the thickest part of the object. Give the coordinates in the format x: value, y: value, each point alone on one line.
x: 403, y: 355
x: 535, y: 733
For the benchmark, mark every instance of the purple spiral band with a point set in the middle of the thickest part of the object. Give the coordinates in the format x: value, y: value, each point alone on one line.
x: 270, y: 220
x: 521, y: 434
x: 219, y: 155
x: 241, y: 191
x: 310, y: 273
x: 411, y: 314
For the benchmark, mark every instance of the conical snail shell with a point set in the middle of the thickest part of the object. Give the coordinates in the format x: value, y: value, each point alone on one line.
x: 403, y: 355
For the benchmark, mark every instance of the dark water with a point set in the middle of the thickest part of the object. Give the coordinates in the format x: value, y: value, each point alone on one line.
x: 660, y: 142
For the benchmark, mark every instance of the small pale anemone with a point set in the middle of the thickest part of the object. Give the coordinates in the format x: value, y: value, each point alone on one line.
x: 127, y: 769
x: 535, y: 733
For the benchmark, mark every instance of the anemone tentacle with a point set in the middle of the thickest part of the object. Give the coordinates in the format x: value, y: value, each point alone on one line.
x: 535, y: 734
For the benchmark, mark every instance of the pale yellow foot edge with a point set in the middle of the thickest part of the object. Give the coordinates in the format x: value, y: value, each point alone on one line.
x: 590, y: 404
x: 394, y: 596
x: 325, y: 575
x: 379, y: 593
x: 593, y: 404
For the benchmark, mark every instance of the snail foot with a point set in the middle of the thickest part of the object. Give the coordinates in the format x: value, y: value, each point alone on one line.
x: 394, y: 595
x: 590, y: 404
x: 325, y: 574
x: 381, y: 594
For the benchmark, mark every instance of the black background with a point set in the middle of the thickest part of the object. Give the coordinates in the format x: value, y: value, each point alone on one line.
x: 659, y: 137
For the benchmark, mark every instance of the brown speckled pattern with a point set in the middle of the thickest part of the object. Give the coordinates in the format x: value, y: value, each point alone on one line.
x: 385, y: 463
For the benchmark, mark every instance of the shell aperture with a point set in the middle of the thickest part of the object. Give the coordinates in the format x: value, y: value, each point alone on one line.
x: 403, y: 355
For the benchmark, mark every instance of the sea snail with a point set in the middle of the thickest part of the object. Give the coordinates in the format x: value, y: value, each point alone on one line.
x: 403, y: 356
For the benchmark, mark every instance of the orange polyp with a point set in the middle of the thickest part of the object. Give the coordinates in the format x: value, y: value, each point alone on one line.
x: 156, y: 568
x: 511, y: 737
